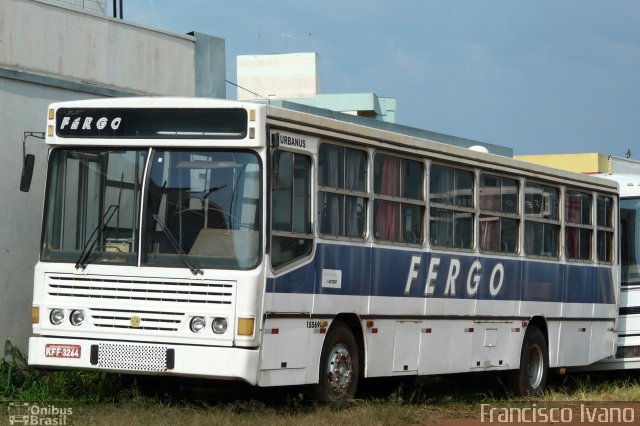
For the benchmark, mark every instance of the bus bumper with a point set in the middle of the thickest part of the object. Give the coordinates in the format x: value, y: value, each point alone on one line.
x: 214, y: 362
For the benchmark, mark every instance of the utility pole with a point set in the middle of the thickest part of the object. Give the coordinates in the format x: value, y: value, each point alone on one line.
x: 115, y: 9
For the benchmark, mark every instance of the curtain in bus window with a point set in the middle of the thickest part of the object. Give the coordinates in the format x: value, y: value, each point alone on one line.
x: 604, y: 236
x: 342, y: 168
x: 387, y: 218
x: 577, y: 239
x: 490, y: 201
x: 332, y: 173
x: 441, y: 187
x: 551, y: 238
x: 282, y: 210
x: 301, y: 197
x: 463, y: 188
x: 489, y: 233
x: 572, y: 207
x: 463, y: 230
x: 441, y: 227
x: 355, y: 175
x: 355, y: 171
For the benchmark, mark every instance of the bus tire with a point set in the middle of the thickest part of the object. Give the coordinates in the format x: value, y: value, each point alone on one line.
x: 339, y: 366
x: 530, y: 379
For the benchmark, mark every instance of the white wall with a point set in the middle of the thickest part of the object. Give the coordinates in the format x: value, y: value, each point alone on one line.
x: 289, y: 75
x: 24, y: 107
x: 48, y: 39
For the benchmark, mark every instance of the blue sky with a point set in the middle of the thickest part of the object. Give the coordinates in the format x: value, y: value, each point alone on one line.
x: 544, y: 76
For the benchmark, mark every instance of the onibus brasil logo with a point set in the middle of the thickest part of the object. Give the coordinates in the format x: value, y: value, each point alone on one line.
x: 25, y: 413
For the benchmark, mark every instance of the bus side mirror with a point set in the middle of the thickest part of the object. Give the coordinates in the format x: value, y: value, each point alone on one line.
x: 27, y: 172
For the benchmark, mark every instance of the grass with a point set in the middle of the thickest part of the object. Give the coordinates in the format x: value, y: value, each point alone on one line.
x: 18, y: 382
x: 105, y: 399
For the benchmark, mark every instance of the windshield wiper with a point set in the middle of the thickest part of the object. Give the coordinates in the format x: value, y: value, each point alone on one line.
x: 94, y: 237
x: 176, y: 246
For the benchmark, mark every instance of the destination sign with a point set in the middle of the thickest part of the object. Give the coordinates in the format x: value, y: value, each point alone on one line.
x: 152, y: 123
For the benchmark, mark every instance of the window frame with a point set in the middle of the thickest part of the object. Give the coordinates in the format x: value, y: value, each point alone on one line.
x: 536, y: 218
x: 453, y: 208
x: 517, y: 216
x: 292, y: 234
x: 399, y: 201
x: 607, y: 229
x: 578, y: 225
x: 343, y: 193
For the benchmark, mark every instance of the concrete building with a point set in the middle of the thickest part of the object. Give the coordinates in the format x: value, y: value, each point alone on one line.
x: 94, y: 6
x: 286, y: 75
x: 295, y: 78
x: 53, y: 51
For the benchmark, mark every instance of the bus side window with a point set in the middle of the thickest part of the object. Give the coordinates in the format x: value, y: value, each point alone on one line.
x: 342, y: 177
x: 542, y: 220
x: 605, y: 229
x: 290, y: 208
x: 399, y: 216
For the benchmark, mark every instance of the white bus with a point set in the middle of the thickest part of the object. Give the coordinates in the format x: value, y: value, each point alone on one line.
x: 628, y: 343
x: 226, y: 240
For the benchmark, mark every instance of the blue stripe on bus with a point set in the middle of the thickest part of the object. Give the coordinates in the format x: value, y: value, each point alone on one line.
x: 378, y: 271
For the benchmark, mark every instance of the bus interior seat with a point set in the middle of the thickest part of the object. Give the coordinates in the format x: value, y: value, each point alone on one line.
x: 224, y: 243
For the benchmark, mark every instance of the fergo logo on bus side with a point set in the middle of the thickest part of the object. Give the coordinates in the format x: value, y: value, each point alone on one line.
x: 469, y: 280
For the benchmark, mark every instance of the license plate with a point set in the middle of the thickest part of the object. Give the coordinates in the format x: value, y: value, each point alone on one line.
x: 62, y: 351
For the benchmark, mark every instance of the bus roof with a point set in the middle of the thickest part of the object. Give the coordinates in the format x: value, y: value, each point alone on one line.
x: 629, y: 183
x: 393, y: 127
x: 386, y: 137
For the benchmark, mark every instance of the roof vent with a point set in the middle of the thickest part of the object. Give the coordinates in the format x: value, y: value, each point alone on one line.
x: 479, y: 148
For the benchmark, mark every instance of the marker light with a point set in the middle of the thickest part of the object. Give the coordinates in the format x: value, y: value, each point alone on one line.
x: 219, y: 325
x: 76, y: 317
x: 56, y: 316
x: 245, y: 326
x: 35, y: 314
x: 197, y: 324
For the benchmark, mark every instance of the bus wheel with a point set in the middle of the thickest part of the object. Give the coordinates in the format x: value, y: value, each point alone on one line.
x: 531, y: 378
x: 339, y: 366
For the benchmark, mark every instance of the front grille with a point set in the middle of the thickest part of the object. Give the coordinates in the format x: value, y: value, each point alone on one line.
x: 148, y: 320
x: 132, y: 357
x: 206, y: 292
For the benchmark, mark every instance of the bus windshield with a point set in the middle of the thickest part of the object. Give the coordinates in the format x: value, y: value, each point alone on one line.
x: 205, y: 205
x: 92, y: 211
x: 630, y: 240
x: 201, y: 208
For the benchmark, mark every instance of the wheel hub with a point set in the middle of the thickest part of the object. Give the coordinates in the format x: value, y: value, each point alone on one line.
x: 535, y: 367
x: 340, y: 369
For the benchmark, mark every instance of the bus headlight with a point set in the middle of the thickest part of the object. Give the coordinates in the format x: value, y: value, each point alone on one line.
x: 76, y: 317
x: 56, y: 316
x: 197, y: 324
x: 219, y: 325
